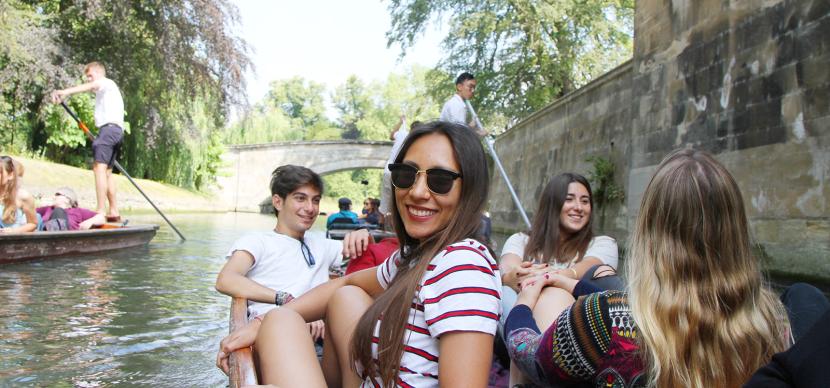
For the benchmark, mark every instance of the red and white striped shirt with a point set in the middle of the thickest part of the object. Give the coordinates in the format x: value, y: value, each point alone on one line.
x: 460, y: 291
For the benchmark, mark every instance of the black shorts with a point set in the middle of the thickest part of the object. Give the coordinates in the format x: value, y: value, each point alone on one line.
x: 107, y: 147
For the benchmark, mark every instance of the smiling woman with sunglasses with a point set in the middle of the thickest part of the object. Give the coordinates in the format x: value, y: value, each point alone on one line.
x: 438, y: 295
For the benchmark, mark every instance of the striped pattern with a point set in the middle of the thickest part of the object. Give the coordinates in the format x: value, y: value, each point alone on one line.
x: 461, y: 291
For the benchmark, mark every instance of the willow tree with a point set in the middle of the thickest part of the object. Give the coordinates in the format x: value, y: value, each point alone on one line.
x: 177, y: 63
x: 524, y: 53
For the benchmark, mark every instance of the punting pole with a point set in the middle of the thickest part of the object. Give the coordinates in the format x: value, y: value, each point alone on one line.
x: 121, y: 169
x: 489, y: 140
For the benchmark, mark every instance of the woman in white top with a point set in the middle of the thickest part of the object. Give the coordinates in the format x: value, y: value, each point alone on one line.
x: 427, y: 316
x: 561, y: 238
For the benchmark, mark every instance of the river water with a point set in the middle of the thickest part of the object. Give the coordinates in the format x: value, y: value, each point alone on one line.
x: 139, y: 317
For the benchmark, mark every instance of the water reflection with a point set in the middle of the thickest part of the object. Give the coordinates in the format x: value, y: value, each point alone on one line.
x: 146, y: 316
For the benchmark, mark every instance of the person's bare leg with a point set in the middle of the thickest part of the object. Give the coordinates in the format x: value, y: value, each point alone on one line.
x: 113, y: 212
x: 331, y: 369
x: 344, y: 311
x: 286, y: 351
x: 552, y: 302
x: 99, y: 171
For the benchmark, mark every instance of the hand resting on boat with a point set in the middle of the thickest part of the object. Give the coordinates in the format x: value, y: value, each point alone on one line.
x: 238, y: 339
x: 356, y: 242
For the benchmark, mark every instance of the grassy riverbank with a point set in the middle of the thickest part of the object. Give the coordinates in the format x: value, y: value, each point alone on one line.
x: 43, y: 177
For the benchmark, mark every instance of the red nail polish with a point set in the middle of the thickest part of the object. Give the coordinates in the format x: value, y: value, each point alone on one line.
x: 547, y: 276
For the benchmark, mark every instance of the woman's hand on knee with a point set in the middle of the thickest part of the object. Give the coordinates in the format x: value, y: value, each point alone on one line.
x: 530, y: 290
x: 318, y: 330
x: 559, y: 280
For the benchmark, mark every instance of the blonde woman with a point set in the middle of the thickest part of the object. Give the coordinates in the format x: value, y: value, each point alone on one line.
x: 697, y: 313
x: 16, y: 216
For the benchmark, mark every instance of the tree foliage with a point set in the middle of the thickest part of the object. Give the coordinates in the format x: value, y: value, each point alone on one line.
x: 178, y: 67
x: 294, y: 109
x: 524, y: 53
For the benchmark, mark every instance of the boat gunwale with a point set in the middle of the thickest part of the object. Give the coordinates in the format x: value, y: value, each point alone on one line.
x: 241, y: 361
x: 47, y: 235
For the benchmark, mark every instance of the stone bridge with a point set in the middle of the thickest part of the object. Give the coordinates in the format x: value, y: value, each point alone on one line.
x: 244, y: 179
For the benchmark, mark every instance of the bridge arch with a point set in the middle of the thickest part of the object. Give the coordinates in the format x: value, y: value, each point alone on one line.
x: 247, y: 169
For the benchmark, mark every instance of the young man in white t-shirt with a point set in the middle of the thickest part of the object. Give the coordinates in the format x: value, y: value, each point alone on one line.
x: 109, y: 118
x: 270, y: 268
x: 455, y: 109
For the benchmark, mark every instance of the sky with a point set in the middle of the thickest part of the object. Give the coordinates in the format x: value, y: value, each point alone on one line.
x: 325, y: 41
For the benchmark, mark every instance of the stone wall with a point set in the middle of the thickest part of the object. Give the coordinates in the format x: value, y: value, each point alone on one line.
x: 744, y: 79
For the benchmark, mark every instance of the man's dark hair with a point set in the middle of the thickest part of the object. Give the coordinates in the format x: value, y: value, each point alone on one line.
x: 285, y: 179
x: 463, y: 77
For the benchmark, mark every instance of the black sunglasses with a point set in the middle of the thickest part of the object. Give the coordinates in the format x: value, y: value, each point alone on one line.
x: 439, y: 180
x: 309, y: 258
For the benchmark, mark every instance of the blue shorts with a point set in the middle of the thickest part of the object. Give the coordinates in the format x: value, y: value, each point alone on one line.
x: 107, y: 147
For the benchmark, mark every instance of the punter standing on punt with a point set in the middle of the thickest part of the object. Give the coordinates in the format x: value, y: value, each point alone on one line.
x: 109, y: 118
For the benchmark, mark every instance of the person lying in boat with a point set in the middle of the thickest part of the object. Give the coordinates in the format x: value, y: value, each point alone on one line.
x: 64, y: 213
x: 271, y: 268
x: 16, y: 214
x: 439, y: 296
x: 696, y: 313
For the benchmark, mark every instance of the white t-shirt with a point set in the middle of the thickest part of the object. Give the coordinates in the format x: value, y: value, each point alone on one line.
x: 460, y: 291
x: 109, y: 106
x: 279, y: 263
x: 386, y: 188
x: 601, y: 247
x: 454, y: 110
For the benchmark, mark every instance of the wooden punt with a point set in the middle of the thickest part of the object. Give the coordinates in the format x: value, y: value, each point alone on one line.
x: 242, y: 364
x: 36, y: 245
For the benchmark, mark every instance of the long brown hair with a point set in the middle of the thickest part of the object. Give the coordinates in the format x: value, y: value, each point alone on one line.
x: 8, y: 192
x: 705, y: 317
x: 394, y: 303
x: 543, y: 240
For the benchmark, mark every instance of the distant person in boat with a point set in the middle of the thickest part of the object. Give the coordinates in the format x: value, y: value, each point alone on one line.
x: 696, y: 314
x: 270, y: 268
x: 455, y: 109
x: 109, y: 118
x: 64, y: 213
x: 14, y: 216
x: 438, y: 297
x: 366, y: 205
x: 372, y: 215
x: 345, y: 212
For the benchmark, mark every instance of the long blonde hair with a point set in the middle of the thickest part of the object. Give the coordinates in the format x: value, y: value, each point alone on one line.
x: 8, y: 192
x: 704, y: 315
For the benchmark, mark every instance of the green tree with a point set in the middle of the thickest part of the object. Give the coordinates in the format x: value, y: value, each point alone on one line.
x: 302, y: 102
x: 353, y: 102
x: 524, y: 53
x: 293, y: 109
x: 178, y: 67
